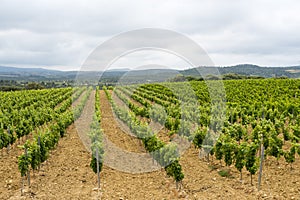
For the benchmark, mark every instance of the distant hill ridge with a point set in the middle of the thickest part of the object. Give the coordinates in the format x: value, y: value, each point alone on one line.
x: 249, y: 70
x: 35, y: 74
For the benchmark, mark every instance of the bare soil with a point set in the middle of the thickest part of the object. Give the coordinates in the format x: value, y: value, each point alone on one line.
x: 67, y: 175
x: 10, y: 179
x: 202, y: 180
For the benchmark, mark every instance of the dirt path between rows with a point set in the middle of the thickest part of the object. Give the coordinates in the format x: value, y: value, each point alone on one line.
x: 202, y: 180
x: 10, y: 179
x: 83, y: 123
x: 67, y: 175
x: 9, y: 175
x: 121, y: 185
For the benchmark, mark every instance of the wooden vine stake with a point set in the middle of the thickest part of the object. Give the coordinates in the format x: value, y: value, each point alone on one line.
x: 8, y: 147
x: 261, y: 157
x: 22, y: 188
x: 260, y: 166
x: 39, y: 145
x: 28, y: 172
x: 98, y: 173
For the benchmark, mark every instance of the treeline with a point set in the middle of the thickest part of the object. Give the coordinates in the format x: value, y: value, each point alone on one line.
x: 231, y: 76
x: 13, y: 85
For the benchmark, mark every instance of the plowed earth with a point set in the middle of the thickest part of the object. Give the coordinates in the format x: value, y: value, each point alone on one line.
x: 67, y: 175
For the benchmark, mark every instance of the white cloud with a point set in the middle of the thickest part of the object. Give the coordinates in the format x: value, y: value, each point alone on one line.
x: 61, y: 34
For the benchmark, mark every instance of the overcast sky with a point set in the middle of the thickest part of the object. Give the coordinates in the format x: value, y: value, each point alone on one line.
x: 62, y: 34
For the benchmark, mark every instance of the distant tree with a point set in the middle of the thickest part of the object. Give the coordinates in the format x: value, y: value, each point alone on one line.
x: 34, y: 86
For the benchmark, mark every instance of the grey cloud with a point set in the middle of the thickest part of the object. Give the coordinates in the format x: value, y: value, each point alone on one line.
x: 63, y: 33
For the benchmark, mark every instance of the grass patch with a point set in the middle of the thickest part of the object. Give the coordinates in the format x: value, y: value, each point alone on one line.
x: 225, y: 173
x: 213, y: 167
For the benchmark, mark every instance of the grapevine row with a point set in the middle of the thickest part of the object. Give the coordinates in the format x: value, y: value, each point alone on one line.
x: 165, y: 154
x: 37, y: 150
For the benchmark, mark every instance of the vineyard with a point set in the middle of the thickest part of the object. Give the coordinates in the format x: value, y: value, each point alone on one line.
x: 240, y: 142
